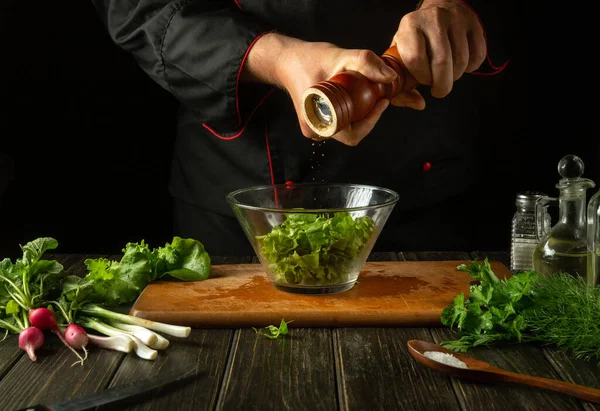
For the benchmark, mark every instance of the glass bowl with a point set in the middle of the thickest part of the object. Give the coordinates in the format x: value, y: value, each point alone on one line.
x: 312, y: 238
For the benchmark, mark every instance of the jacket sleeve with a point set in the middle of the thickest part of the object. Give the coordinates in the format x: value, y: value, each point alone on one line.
x: 193, y: 49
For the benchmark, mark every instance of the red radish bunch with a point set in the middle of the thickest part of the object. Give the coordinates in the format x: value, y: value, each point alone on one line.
x: 30, y: 340
x: 44, y: 319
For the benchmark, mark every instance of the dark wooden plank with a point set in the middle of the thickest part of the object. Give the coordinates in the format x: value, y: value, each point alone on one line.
x: 67, y: 260
x: 52, y: 378
x: 520, y: 358
x: 292, y: 373
x: 378, y: 373
x: 206, y: 350
x: 59, y: 381
x: 526, y: 359
x: 568, y: 367
x: 575, y: 370
x: 433, y: 256
x: 79, y: 268
x: 9, y: 353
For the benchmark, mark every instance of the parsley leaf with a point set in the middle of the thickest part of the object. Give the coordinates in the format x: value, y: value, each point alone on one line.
x: 493, y: 310
x: 272, y: 331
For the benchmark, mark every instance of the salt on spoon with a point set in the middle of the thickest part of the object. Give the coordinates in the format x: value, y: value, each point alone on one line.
x: 445, y: 358
x: 462, y: 366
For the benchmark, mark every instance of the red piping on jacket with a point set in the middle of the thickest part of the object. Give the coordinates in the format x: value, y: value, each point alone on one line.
x: 239, y: 133
x: 237, y: 100
x: 497, y: 69
x: 269, y: 153
x: 275, y: 195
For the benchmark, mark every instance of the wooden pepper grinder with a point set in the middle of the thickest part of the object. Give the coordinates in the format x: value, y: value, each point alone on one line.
x: 330, y: 106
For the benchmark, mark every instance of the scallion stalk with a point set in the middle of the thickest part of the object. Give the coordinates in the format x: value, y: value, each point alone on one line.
x: 170, y: 329
x: 141, y: 349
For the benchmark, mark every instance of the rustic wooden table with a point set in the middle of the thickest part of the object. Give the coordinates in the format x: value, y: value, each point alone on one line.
x: 311, y: 369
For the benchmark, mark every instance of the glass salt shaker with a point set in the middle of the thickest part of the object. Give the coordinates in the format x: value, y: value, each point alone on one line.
x: 523, y: 234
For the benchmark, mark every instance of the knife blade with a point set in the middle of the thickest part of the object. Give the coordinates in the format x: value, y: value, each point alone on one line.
x: 114, y: 394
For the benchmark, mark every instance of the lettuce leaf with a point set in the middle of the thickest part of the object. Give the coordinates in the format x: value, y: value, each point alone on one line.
x: 118, y: 282
x: 184, y: 259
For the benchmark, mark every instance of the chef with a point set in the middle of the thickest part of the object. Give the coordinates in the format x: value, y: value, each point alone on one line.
x: 238, y: 69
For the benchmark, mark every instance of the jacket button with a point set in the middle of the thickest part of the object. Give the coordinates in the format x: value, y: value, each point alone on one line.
x: 426, y: 166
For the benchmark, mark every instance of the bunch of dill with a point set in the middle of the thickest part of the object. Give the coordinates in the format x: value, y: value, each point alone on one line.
x: 566, y: 313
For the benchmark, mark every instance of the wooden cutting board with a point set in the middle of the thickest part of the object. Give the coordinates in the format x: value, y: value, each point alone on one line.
x: 395, y: 293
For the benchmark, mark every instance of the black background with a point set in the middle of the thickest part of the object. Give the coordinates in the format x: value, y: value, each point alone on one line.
x: 89, y: 134
x: 86, y: 136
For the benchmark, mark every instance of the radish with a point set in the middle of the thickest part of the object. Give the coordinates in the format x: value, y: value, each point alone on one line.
x: 44, y: 319
x: 31, y: 339
x: 77, y: 338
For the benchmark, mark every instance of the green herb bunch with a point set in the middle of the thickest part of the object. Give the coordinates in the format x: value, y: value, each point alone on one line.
x: 494, y: 309
x: 557, y: 309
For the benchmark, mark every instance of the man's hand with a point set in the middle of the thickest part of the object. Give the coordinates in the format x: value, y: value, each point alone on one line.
x: 296, y: 65
x: 438, y: 43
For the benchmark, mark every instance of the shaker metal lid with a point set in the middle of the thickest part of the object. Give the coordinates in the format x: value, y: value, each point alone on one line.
x: 530, y: 195
x: 529, y: 198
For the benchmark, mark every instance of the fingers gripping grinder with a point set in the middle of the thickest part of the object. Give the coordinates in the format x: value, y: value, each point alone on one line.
x: 330, y: 106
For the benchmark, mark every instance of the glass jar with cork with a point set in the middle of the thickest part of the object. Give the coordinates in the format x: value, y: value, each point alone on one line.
x: 564, y: 246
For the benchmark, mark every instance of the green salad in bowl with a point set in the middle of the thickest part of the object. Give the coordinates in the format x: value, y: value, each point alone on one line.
x: 316, y: 249
x: 313, y: 238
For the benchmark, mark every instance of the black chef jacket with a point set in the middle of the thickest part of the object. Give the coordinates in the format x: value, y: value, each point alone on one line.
x: 232, y: 135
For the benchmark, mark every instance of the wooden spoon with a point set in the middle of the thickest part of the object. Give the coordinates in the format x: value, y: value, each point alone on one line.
x: 482, y: 371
